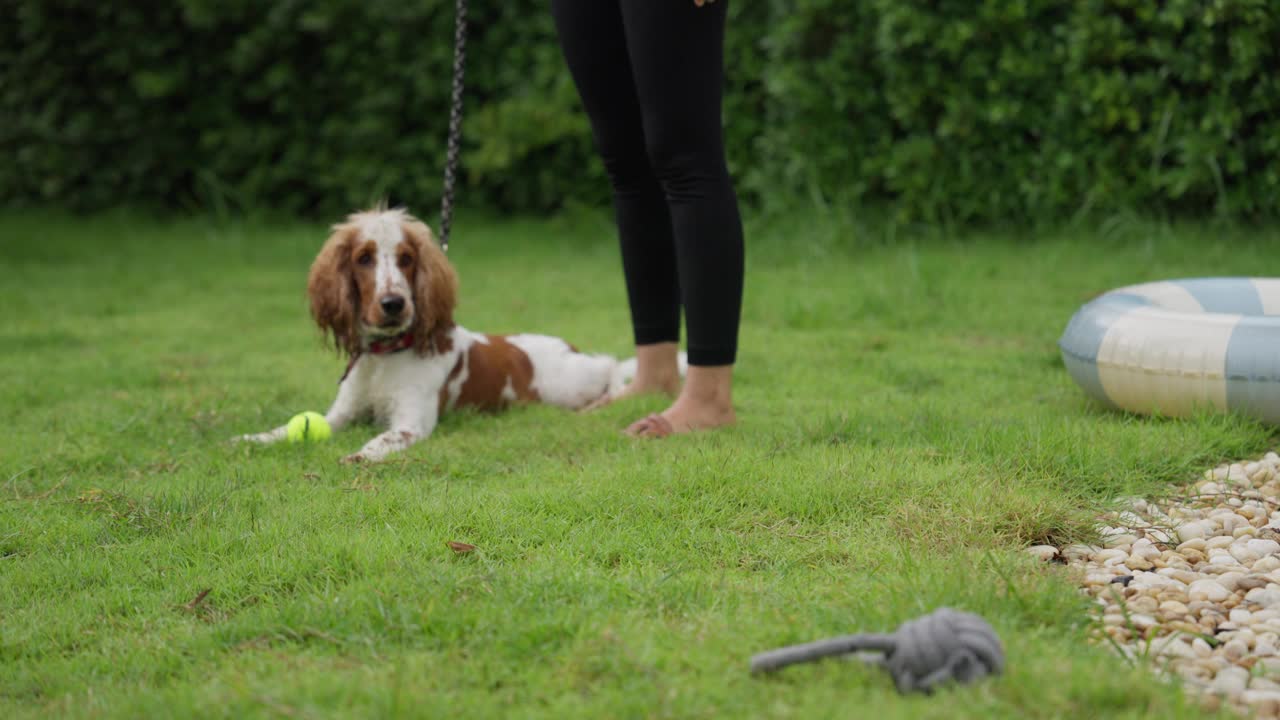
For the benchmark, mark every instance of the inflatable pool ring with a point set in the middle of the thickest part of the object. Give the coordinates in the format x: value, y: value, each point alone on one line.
x: 1179, y: 347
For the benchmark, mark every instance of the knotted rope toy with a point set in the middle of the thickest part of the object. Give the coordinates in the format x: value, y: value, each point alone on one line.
x: 924, y: 653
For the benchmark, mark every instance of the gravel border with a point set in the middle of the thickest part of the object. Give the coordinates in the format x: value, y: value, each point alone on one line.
x: 1193, y: 584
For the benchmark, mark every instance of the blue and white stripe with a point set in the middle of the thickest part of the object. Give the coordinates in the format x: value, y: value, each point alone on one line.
x: 1181, y: 346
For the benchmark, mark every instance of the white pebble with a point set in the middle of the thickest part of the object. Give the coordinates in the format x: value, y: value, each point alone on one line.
x: 1044, y: 552
x: 1144, y: 548
x: 1134, y: 562
x: 1122, y: 540
x: 1231, y: 680
x: 1221, y: 561
x: 1194, y: 543
x: 1078, y: 553
x: 1240, y: 616
x: 1174, y: 646
x: 1261, y: 683
x: 1261, y: 697
x: 1264, y: 548
x: 1144, y: 604
x: 1153, y: 581
x: 1130, y: 520
x: 1264, y: 597
x: 1142, y: 621
x: 1209, y: 590
x: 1219, y: 542
x: 1251, y: 582
x: 1244, y: 554
x: 1247, y: 637
x: 1231, y: 521
x: 1234, y: 650
x: 1230, y: 580
x: 1191, y: 532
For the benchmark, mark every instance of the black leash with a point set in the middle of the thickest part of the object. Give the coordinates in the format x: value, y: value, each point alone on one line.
x: 455, y: 124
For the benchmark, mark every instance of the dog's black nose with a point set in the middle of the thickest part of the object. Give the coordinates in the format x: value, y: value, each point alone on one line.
x: 392, y: 305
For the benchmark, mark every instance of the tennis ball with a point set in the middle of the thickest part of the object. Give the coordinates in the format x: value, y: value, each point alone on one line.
x: 308, y: 427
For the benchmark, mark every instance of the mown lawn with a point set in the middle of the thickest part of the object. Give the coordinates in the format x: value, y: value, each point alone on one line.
x: 906, y: 428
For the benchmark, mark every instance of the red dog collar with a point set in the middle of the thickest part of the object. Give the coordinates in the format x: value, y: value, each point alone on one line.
x: 400, y: 342
x: 403, y: 341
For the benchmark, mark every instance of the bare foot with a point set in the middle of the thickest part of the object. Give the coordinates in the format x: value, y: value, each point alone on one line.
x: 680, y: 419
x: 706, y: 402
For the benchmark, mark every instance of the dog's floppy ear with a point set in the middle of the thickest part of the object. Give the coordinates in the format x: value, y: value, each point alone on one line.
x: 435, y: 290
x: 332, y: 289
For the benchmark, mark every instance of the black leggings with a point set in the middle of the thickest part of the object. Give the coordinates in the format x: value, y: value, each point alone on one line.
x: 650, y: 74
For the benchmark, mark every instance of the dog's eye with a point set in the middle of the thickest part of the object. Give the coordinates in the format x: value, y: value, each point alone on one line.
x: 405, y: 260
x: 365, y: 259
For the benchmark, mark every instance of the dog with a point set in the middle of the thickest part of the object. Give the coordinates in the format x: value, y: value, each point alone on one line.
x: 383, y: 294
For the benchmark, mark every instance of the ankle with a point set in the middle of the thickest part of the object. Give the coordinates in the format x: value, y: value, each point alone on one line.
x: 710, y: 387
x: 706, y: 397
x: 657, y: 366
x: 657, y: 380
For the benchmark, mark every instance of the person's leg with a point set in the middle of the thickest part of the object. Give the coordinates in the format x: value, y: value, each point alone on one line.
x: 595, y: 49
x: 676, y: 49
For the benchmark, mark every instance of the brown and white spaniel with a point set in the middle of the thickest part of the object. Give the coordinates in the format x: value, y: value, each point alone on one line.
x: 383, y: 291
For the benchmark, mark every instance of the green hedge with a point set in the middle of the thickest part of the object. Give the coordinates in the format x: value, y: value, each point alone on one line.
x: 947, y: 110
x: 297, y: 105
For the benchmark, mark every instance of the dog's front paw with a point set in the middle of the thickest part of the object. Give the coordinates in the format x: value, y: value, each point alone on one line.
x: 354, y: 459
x: 262, y: 438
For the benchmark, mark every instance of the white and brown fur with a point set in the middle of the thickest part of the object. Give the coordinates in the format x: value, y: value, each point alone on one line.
x: 381, y: 275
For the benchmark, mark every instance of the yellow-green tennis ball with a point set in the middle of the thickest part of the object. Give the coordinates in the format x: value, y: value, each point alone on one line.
x: 308, y: 427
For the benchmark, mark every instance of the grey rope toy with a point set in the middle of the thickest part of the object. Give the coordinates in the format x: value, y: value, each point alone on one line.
x: 455, y: 123
x: 923, y: 654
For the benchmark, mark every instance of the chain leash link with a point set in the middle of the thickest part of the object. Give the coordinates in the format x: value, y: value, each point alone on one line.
x: 455, y: 124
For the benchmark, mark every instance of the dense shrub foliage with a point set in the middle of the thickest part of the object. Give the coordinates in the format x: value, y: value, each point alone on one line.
x: 952, y: 110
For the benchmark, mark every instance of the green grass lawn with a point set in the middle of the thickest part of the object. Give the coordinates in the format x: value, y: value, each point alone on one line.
x: 906, y: 429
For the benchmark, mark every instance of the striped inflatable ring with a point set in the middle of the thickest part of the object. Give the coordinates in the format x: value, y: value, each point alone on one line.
x: 1182, y: 346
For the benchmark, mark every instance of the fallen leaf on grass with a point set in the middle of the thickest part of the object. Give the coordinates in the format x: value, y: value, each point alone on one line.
x: 278, y: 707
x: 310, y: 476
x: 460, y: 547
x: 195, y: 602
x: 50, y: 491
